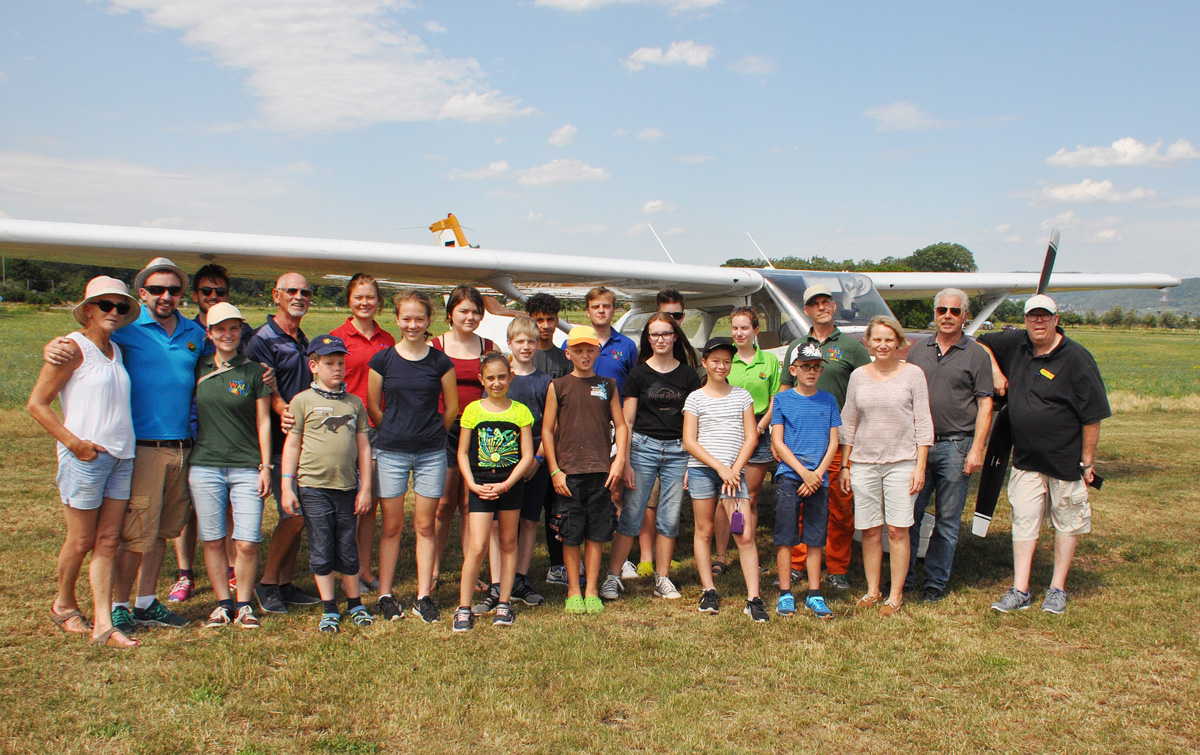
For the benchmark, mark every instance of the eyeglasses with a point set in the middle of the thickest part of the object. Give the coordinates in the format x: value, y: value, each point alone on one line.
x: 1045, y: 317
x: 209, y: 291
x: 106, y: 306
x: 677, y: 316
x: 956, y: 311
x: 160, y: 290
x: 811, y: 367
x: 661, y: 336
x: 305, y: 292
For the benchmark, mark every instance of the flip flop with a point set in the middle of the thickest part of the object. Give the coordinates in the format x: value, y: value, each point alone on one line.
x: 60, y: 620
x: 106, y: 640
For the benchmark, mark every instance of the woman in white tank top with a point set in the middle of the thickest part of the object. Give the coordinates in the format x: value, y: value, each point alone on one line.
x: 95, y: 453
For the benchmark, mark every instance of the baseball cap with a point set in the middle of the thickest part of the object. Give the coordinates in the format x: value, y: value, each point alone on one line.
x: 815, y: 290
x: 160, y: 265
x: 221, y: 312
x: 103, y: 285
x: 582, y: 334
x: 322, y: 345
x: 719, y: 343
x: 1041, y: 301
x: 809, y: 352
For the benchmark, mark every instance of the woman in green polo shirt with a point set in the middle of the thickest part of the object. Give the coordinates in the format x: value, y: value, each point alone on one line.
x: 759, y: 373
x: 230, y: 464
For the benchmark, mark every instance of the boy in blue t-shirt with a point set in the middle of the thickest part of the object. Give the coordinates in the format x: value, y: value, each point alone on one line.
x: 804, y: 434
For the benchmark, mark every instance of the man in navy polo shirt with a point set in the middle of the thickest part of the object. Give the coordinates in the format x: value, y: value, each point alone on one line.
x: 281, y: 345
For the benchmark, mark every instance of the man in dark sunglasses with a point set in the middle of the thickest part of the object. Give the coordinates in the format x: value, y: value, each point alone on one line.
x: 959, y: 374
x: 281, y: 345
x: 210, y: 286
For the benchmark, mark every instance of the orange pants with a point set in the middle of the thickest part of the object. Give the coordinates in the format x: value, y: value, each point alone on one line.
x: 841, y: 526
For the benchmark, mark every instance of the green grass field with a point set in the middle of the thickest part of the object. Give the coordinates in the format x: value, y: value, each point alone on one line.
x: 1120, y: 672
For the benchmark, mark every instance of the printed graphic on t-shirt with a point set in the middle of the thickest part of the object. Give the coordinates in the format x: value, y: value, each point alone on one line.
x: 600, y: 391
x: 498, y: 447
x: 335, y: 422
x: 664, y: 394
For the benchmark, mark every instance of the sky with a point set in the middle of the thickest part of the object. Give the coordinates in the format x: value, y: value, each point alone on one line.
x: 845, y: 130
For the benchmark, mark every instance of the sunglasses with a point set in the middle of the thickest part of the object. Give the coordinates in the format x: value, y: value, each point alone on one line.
x: 107, y: 306
x: 956, y: 311
x: 209, y: 291
x: 677, y: 316
x: 305, y: 292
x: 160, y: 290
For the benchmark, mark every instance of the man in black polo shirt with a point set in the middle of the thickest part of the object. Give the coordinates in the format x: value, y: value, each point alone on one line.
x: 1056, y: 400
x: 281, y: 345
x: 959, y: 374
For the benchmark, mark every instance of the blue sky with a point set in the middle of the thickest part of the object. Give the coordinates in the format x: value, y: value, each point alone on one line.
x: 856, y: 130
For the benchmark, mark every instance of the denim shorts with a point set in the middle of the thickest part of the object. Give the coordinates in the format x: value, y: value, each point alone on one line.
x: 428, y: 471
x: 217, y: 489
x: 704, y: 482
x: 331, y: 525
x: 799, y: 519
x: 84, y: 485
x: 666, y: 461
x: 762, y: 452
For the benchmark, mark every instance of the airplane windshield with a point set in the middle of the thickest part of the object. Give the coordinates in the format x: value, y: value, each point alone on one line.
x: 855, y: 295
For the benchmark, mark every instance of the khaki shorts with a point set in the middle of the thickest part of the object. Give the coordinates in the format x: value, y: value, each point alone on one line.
x: 881, y: 494
x: 158, y: 501
x: 1033, y: 495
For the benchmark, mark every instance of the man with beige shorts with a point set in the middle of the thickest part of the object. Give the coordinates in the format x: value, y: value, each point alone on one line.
x: 1056, y: 401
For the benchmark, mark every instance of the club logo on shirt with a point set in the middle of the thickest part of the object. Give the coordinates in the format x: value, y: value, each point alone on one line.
x: 191, y: 346
x: 237, y: 387
x: 835, y: 353
x: 600, y: 391
x: 1046, y: 373
x: 762, y: 376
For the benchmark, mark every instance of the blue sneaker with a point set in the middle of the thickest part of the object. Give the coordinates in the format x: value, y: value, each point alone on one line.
x: 330, y: 623
x: 816, y: 604
x: 786, y: 605
x: 361, y: 616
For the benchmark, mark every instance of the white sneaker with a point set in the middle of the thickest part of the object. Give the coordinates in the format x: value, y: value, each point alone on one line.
x: 612, y: 587
x: 629, y: 570
x: 665, y: 588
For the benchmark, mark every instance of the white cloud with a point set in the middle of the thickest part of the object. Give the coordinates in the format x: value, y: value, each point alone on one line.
x: 1062, y: 221
x: 902, y: 116
x: 531, y: 216
x: 653, y: 206
x: 695, y: 159
x: 1107, y: 236
x: 753, y: 65
x: 561, y: 137
x: 620, y: 132
x: 1097, y: 231
x: 679, y: 53
x: 676, y: 231
x: 587, y: 229
x: 1127, y: 151
x: 493, y: 170
x: 499, y: 140
x: 433, y: 27
x: 637, y: 229
x: 561, y: 171
x: 331, y: 65
x: 586, y: 5
x: 650, y: 134
x: 1089, y: 191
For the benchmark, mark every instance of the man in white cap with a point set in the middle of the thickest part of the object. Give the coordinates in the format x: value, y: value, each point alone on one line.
x: 1056, y: 400
x: 161, y: 349
x: 845, y: 354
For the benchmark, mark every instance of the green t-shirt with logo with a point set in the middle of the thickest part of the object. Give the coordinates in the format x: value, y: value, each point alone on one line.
x: 329, y: 439
x: 226, y: 416
x: 845, y: 354
x: 495, y: 445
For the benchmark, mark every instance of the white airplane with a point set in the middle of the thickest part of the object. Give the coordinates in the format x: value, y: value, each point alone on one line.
x: 710, y: 291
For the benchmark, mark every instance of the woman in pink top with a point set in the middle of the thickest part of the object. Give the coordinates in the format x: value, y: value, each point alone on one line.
x: 886, y: 434
x: 95, y: 453
x: 364, y: 339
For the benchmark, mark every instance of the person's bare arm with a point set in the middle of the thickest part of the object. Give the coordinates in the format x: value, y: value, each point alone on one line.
x: 375, y: 397
x: 262, y: 417
x: 362, y: 502
x: 621, y: 436
x: 51, y: 380
x: 999, y: 380
x: 449, y: 399
x: 58, y: 350
x: 549, y: 424
x: 288, y: 467
x: 630, y: 410
x: 1091, y: 439
x: 983, y: 424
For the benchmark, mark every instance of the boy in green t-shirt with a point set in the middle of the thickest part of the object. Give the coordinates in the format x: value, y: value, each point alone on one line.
x: 328, y: 453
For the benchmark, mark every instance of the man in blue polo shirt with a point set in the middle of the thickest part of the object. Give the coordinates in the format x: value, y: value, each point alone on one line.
x: 160, y: 352
x: 618, y: 352
x: 281, y: 345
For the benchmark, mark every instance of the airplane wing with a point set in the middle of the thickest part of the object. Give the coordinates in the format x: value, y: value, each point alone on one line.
x: 892, y: 286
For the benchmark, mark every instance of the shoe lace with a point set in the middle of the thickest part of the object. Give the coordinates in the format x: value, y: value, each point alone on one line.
x: 182, y: 583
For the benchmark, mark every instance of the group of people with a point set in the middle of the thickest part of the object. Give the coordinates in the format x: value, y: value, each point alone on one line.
x: 172, y: 426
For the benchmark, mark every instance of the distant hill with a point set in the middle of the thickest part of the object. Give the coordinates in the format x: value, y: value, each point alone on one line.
x: 1185, y: 298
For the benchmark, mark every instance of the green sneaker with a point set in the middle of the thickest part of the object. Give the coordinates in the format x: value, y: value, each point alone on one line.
x: 575, y: 604
x: 123, y: 621
x: 593, y: 604
x: 158, y: 615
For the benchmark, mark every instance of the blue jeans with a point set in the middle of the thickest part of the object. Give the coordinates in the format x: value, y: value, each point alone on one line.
x: 651, y: 458
x: 943, y: 475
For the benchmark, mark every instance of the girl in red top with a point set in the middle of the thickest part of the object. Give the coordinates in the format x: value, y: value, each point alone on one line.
x: 364, y: 339
x: 464, y: 312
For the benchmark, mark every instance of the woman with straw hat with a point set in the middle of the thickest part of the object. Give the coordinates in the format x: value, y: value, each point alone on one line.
x: 95, y: 453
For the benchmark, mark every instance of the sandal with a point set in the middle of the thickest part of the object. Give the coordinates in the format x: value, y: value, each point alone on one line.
x: 719, y: 567
x: 867, y: 601
x: 108, y: 639
x: 60, y: 620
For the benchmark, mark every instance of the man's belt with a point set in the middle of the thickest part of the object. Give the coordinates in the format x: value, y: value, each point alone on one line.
x: 952, y: 436
x: 184, y: 443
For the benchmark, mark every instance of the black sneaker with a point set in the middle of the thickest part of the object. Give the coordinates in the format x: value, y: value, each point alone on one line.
x: 390, y: 608
x: 425, y: 610
x: 504, y: 615
x: 756, y: 611
x: 464, y: 620
x: 123, y: 621
x: 268, y: 599
x: 709, y: 602
x: 933, y: 594
x: 158, y: 615
x: 489, y: 602
x: 524, y: 592
x: 294, y: 596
